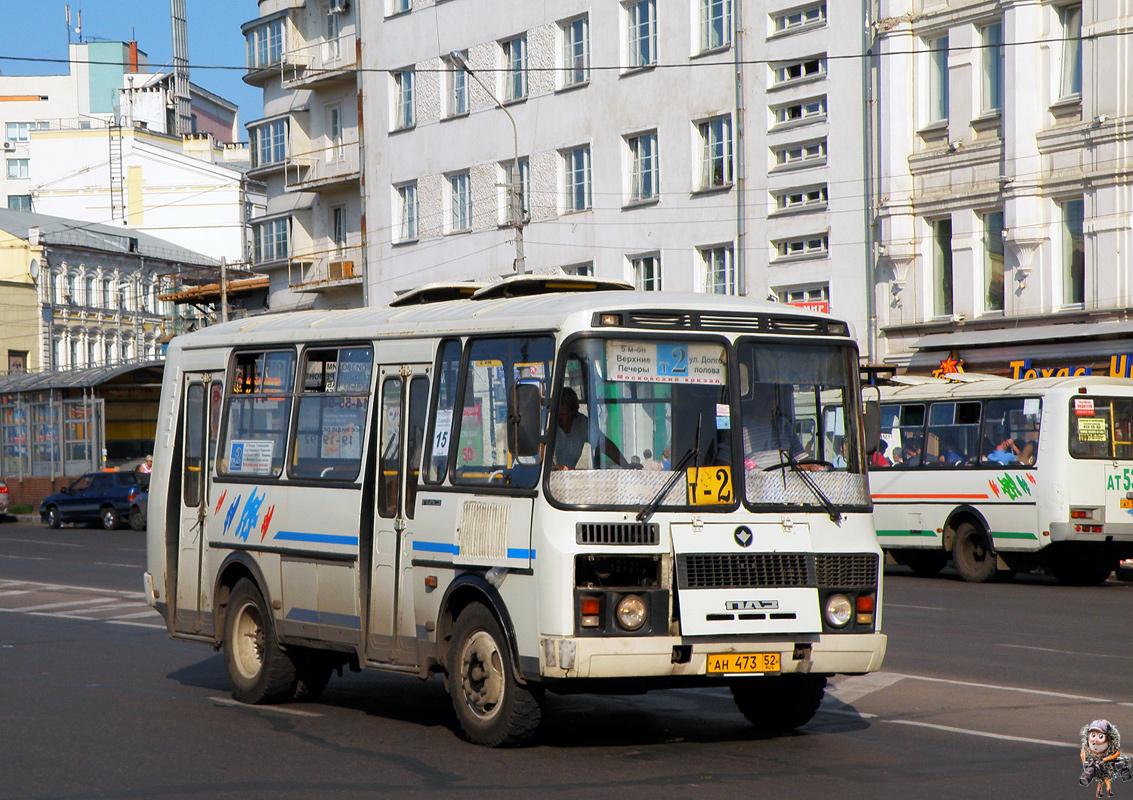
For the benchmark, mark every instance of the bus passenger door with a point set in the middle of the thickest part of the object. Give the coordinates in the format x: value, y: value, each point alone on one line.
x: 403, y: 393
x: 194, y: 466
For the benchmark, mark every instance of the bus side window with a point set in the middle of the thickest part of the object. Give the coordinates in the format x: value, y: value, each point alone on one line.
x: 953, y: 431
x: 418, y: 399
x: 439, y: 444
x: 258, y: 413
x: 389, y: 458
x: 333, y: 401
x: 1010, y: 431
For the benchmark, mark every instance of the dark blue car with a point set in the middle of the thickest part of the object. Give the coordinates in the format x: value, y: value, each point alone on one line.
x: 106, y: 497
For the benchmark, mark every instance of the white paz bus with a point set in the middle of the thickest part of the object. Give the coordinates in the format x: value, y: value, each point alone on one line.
x: 1004, y: 475
x: 536, y: 485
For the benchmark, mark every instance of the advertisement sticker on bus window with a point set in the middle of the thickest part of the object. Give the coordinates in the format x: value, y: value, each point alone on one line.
x: 341, y: 435
x: 250, y: 457
x: 723, y: 417
x: 1092, y: 430
x: 1031, y: 407
x: 1083, y: 406
x: 666, y: 362
x: 535, y: 371
x: 442, y: 432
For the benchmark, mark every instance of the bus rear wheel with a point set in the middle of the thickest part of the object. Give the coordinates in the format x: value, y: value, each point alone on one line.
x: 925, y: 563
x: 492, y: 707
x: 1081, y: 571
x: 260, y: 671
x: 972, y: 553
x: 778, y: 705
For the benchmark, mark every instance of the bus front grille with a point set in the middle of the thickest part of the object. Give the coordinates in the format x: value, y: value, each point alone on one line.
x: 776, y: 570
x: 625, y: 533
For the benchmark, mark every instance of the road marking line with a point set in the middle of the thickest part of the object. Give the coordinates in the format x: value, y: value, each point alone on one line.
x: 39, y: 541
x: 109, y: 607
x: 851, y: 690
x: 110, y: 564
x: 224, y: 701
x: 46, y: 606
x: 919, y: 608
x: 147, y: 613
x: 124, y: 622
x: 985, y: 734
x: 1066, y: 652
x: 1060, y: 695
x: 16, y: 591
x: 24, y: 558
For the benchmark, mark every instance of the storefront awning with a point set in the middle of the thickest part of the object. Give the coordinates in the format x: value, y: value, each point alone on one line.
x: 71, y: 379
x: 1026, y: 334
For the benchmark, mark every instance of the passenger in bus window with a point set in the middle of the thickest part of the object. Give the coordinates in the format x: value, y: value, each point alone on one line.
x: 649, y: 462
x: 951, y: 455
x: 911, y: 454
x: 879, y: 459
x: 1005, y: 452
x: 1026, y: 450
x: 898, y: 456
x: 572, y: 441
x: 839, y: 460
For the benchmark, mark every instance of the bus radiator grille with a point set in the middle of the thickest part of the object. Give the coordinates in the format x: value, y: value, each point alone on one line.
x: 846, y: 571
x: 628, y: 533
x: 776, y: 570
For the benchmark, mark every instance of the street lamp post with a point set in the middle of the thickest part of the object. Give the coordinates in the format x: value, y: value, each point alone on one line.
x: 515, y: 185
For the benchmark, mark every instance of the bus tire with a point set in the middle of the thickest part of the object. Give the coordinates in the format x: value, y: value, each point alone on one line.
x: 260, y: 671
x: 778, y: 705
x: 1081, y: 571
x: 925, y: 563
x: 492, y: 707
x: 973, y: 554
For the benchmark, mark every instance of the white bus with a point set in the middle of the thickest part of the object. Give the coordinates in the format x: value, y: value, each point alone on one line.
x: 525, y: 486
x: 1004, y: 475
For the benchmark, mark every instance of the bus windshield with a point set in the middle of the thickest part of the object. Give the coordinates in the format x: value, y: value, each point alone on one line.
x: 631, y: 411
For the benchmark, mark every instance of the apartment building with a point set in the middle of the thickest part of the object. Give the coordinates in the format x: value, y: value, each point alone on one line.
x: 702, y: 145
x: 1005, y: 197
x: 306, y: 150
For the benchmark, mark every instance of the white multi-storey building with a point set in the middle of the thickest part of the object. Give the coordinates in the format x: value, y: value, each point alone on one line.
x: 305, y: 149
x: 1005, y: 202
x: 704, y: 145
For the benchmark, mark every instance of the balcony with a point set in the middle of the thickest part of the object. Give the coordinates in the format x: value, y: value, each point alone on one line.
x: 322, y: 63
x: 339, y: 269
x: 318, y: 169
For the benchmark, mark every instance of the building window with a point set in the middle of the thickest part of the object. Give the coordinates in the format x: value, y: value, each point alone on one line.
x: 460, y: 199
x: 642, y: 44
x: 333, y: 43
x: 813, y: 14
x: 338, y: 231
x: 647, y: 273
x: 19, y: 202
x: 793, y: 199
x: 514, y: 208
x: 993, y: 260
x: 269, y: 240
x: 815, y: 298
x: 1071, y: 19
x: 803, y: 247
x: 334, y: 133
x: 577, y: 163
x: 76, y: 351
x: 643, y: 167
x: 719, y: 270
x: 268, y: 143
x: 942, y: 267
x: 715, y: 153
x: 88, y: 291
x: 585, y: 270
x: 457, y: 87
x: 108, y: 294
x: 800, y: 70
x: 715, y: 24
x: 18, y: 168
x: 992, y: 36
x: 21, y: 131
x: 398, y: 6
x: 807, y: 153
x: 814, y: 109
x: 404, y: 111
x: 265, y: 45
x: 1073, y: 253
x: 407, y: 212
x: 938, y: 79
x: 515, y: 68
x: 17, y: 362
x: 576, y: 51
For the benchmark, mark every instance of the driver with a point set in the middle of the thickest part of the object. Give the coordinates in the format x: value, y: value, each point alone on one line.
x: 766, y: 431
x: 572, y: 441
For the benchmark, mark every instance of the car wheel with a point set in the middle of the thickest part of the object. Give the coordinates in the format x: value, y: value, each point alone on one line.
x: 109, y: 517
x: 53, y: 519
x: 137, y: 519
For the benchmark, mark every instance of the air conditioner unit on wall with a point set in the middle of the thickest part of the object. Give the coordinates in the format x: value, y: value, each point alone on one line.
x: 8, y: 146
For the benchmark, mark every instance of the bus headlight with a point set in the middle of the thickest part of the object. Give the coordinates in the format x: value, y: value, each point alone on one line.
x: 631, y: 612
x: 838, y: 610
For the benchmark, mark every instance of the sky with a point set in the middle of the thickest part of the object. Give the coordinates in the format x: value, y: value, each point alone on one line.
x: 37, y: 29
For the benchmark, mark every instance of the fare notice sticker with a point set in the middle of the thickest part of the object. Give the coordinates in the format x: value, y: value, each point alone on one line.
x: 1083, y: 407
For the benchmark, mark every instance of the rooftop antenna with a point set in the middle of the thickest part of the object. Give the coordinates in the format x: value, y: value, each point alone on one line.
x: 67, y: 14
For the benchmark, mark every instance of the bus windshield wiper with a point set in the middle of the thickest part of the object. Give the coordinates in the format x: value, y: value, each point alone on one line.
x: 647, y: 511
x: 835, y: 515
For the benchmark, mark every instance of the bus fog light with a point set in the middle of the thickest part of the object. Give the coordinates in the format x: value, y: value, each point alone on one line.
x: 838, y: 610
x: 631, y: 612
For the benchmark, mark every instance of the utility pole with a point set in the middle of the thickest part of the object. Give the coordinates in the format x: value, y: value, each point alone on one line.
x: 223, y: 289
x: 515, y: 185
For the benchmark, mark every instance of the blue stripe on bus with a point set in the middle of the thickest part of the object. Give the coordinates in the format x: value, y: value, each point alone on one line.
x: 436, y: 547
x: 516, y: 552
x: 315, y: 617
x: 319, y: 538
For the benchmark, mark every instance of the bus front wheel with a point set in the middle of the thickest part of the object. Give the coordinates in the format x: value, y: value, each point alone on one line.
x: 492, y: 707
x: 778, y: 705
x: 972, y: 554
x: 259, y: 669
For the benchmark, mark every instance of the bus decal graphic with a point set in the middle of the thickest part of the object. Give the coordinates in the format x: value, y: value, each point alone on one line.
x: 250, y: 515
x: 231, y: 513
x: 220, y: 502
x: 267, y: 521
x: 1013, y: 487
x: 315, y: 538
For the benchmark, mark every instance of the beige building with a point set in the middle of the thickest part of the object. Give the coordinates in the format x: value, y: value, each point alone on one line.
x: 20, y: 263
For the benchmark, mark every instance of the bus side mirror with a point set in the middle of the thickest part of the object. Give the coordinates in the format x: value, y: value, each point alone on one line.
x: 872, y: 418
x: 525, y: 419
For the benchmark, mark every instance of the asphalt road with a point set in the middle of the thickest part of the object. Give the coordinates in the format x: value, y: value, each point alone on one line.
x: 982, y: 694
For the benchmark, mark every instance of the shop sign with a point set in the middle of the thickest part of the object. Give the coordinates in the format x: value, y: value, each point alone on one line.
x: 1120, y: 366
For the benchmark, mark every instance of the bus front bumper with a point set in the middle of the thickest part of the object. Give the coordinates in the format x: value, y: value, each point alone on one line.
x: 664, y: 656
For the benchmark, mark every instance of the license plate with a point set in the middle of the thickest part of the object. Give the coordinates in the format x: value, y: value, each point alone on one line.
x: 1126, y: 502
x: 739, y: 663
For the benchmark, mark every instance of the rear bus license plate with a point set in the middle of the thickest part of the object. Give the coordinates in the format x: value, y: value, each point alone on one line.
x: 733, y: 663
x: 1126, y: 502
